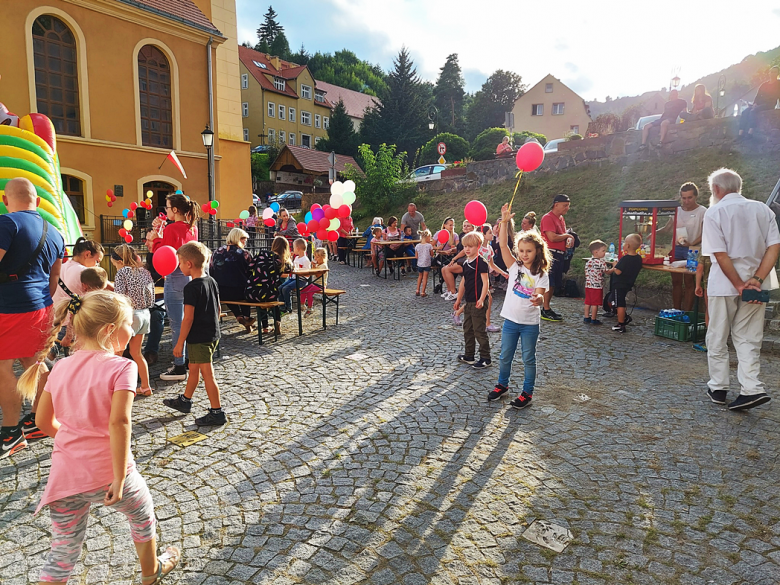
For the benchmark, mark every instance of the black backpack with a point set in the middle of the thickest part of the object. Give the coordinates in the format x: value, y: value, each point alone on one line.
x: 263, y: 278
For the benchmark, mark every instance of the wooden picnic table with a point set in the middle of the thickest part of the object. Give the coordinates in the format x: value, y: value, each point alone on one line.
x: 390, y: 242
x: 308, y: 277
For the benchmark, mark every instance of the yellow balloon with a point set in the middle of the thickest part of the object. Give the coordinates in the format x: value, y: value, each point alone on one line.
x: 149, y: 194
x: 128, y: 225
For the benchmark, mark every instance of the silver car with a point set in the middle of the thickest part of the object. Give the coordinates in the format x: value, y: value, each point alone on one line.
x: 426, y: 173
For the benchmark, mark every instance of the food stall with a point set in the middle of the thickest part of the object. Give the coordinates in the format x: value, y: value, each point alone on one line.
x: 643, y: 217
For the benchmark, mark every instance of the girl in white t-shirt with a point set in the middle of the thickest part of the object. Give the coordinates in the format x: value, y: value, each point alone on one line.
x: 528, y: 280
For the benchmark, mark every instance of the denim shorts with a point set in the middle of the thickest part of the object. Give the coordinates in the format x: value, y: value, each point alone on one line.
x: 423, y: 268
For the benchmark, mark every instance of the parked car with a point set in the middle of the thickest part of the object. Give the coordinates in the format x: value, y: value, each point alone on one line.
x: 552, y: 145
x: 256, y: 200
x: 645, y: 120
x: 261, y: 148
x: 290, y: 199
x: 426, y: 173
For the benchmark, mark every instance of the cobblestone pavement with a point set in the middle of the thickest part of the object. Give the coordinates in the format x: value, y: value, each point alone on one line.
x: 393, y: 469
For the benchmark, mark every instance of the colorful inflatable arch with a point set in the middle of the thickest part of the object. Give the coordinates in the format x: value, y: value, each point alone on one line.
x: 28, y: 148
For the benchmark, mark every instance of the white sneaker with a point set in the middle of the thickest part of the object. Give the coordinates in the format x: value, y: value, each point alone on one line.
x: 451, y: 297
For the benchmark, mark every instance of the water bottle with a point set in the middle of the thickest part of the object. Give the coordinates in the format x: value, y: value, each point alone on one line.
x: 611, y: 251
x: 689, y: 261
x: 695, y: 260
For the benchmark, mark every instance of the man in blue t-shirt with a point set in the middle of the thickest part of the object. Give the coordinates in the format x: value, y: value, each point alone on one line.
x: 27, y: 283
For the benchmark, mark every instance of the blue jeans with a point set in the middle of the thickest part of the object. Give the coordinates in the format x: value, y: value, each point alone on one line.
x: 156, y: 327
x: 285, y: 290
x: 174, y: 306
x: 510, y: 334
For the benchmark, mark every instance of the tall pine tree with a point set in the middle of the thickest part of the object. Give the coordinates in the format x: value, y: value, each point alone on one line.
x: 342, y: 138
x: 269, y: 30
x: 448, y: 96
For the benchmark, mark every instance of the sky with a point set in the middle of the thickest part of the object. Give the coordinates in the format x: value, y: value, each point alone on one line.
x: 599, y: 48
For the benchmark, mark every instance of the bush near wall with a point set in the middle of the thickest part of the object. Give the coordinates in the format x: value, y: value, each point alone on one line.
x: 457, y: 148
x: 519, y: 138
x: 484, y: 145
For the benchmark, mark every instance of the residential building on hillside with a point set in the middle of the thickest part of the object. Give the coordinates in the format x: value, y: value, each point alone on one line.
x: 551, y: 108
x: 298, y: 168
x: 124, y: 84
x: 280, y: 101
x: 355, y: 103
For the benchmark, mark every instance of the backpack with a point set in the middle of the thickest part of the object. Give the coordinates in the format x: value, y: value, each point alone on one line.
x: 263, y: 278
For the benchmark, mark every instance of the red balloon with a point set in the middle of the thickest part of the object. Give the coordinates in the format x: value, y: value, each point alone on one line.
x: 110, y: 204
x: 315, y: 206
x: 122, y: 232
x: 165, y: 260
x: 326, y: 207
x: 113, y: 198
x: 230, y: 224
x: 130, y: 215
x: 269, y: 222
x: 134, y: 206
x: 529, y: 157
x: 333, y: 236
x: 444, y: 236
x: 302, y: 227
x: 331, y: 213
x: 212, y: 211
x: 324, y: 223
x: 322, y: 235
x: 344, y: 211
x: 129, y: 238
x: 313, y: 225
x: 109, y: 192
x: 475, y: 212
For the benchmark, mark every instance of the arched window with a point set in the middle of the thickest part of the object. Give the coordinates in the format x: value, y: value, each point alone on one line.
x: 56, y: 75
x: 74, y: 189
x: 154, y: 87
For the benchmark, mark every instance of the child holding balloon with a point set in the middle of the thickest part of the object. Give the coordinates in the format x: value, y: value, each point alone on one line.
x: 183, y: 213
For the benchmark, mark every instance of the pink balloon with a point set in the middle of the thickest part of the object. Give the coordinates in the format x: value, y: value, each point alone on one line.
x: 443, y: 237
x: 165, y: 260
x: 475, y: 212
x: 333, y: 236
x: 529, y: 157
x: 344, y: 211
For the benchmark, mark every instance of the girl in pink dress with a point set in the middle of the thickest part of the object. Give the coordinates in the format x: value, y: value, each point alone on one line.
x: 86, y: 406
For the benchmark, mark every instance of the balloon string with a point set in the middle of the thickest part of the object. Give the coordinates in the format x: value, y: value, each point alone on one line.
x: 519, y: 176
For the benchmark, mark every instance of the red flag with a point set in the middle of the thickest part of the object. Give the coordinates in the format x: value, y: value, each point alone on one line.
x: 175, y: 160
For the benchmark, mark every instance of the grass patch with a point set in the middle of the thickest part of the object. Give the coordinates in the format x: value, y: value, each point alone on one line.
x: 643, y: 503
x: 651, y: 536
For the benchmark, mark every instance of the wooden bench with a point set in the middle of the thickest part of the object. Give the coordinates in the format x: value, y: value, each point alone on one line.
x: 397, y: 270
x: 272, y: 307
x: 332, y: 296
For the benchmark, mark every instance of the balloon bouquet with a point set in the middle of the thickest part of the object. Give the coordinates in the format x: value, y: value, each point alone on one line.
x: 129, y: 214
x: 323, y: 221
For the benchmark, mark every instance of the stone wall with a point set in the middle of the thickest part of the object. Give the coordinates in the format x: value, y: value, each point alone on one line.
x: 622, y: 149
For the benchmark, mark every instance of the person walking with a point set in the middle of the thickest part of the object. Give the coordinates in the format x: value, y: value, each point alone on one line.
x: 743, y: 242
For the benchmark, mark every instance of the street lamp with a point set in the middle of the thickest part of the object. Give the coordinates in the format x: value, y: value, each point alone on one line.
x: 433, y: 114
x: 208, y: 142
x: 721, y: 93
x: 675, y: 82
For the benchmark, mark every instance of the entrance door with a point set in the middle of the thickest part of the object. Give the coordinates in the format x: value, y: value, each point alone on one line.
x: 160, y: 190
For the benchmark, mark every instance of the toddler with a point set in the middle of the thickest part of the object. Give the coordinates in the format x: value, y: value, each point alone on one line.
x: 307, y: 294
x: 423, y: 253
x: 377, y: 251
x: 93, y: 279
x: 200, y: 329
x: 408, y: 251
x: 625, y: 271
x: 472, y: 292
x: 300, y: 262
x: 595, y: 268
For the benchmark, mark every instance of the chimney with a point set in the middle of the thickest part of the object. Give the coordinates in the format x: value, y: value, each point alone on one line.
x: 276, y: 62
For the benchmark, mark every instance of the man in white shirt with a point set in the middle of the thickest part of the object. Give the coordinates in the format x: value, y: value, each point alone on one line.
x: 742, y: 239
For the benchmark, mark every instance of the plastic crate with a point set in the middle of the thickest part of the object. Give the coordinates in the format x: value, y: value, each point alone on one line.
x: 679, y: 330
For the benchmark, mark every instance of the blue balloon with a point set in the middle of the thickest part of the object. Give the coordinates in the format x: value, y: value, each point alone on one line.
x: 124, y: 213
x: 179, y: 192
x: 308, y: 217
x: 275, y: 207
x: 317, y: 214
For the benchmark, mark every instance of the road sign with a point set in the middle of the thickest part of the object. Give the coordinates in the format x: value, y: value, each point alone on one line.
x: 332, y: 159
x: 441, y: 148
x: 442, y: 160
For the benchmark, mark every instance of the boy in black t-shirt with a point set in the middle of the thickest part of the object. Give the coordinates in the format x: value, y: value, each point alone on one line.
x: 200, y: 329
x: 625, y: 271
x: 471, y: 293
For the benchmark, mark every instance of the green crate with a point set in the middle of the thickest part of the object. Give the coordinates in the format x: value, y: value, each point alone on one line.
x: 678, y: 330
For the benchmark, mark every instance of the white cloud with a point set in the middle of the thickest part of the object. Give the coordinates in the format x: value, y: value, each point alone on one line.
x: 605, y: 48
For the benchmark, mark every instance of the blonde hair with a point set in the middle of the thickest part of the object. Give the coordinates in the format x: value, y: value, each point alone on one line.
x: 194, y: 252
x: 126, y: 255
x: 94, y: 278
x: 101, y: 313
x: 322, y: 254
x: 299, y: 243
x: 281, y: 247
x: 473, y: 239
x: 596, y: 245
x: 636, y: 239
x: 234, y: 237
x: 425, y: 234
x: 375, y: 230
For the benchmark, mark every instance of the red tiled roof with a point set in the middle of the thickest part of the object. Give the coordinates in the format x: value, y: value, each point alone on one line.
x: 184, y: 11
x: 290, y: 72
x: 248, y: 58
x: 354, y: 101
x: 317, y: 161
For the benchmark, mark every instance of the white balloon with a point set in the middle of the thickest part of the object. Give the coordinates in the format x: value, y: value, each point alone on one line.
x: 337, y: 188
x: 334, y: 224
x: 336, y: 200
x: 348, y: 198
x: 268, y: 213
x: 349, y: 186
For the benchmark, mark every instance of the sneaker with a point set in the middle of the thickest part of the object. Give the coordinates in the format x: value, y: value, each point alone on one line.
x: 466, y: 360
x: 492, y: 328
x: 620, y: 328
x: 451, y: 296
x: 700, y: 347
x: 717, y: 396
x: 497, y: 392
x: 30, y: 429
x: 596, y: 322
x: 521, y: 401
x: 212, y: 419
x: 175, y: 373
x: 642, y: 147
x: 179, y: 403
x: 481, y: 364
x: 550, y: 315
x: 609, y: 314
x: 12, y: 442
x: 743, y: 402
x: 587, y: 320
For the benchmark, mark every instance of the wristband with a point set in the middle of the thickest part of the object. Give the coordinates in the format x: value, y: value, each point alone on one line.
x: 756, y: 277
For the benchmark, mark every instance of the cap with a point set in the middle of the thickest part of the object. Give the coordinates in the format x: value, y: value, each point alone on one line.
x: 561, y: 198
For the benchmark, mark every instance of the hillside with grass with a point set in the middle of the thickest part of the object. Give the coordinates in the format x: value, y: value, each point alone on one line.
x: 596, y: 192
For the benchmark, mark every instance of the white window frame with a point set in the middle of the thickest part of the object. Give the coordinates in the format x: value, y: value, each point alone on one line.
x: 245, y: 109
x: 317, y: 121
x: 279, y: 84
x: 317, y: 139
x: 558, y: 108
x: 271, y: 110
x: 304, y: 117
x: 537, y: 109
x: 246, y: 134
x: 282, y: 112
x: 306, y: 92
x: 271, y: 135
x: 302, y: 140
x: 282, y: 136
x: 291, y: 115
x: 575, y: 129
x: 326, y: 122
x: 548, y: 88
x: 291, y: 138
x: 245, y: 81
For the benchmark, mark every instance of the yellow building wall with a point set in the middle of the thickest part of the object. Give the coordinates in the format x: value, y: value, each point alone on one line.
x: 234, y: 178
x: 228, y: 81
x: 551, y: 126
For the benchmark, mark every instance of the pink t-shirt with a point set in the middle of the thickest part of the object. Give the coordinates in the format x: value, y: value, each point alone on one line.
x: 81, y: 388
x: 70, y: 274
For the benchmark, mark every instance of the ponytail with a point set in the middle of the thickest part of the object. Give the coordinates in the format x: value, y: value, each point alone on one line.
x: 84, y: 245
x: 27, y: 386
x: 185, y: 206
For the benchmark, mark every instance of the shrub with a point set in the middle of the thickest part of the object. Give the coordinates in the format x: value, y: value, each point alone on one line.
x: 575, y: 137
x: 261, y: 165
x: 519, y: 138
x: 457, y: 148
x: 381, y: 187
x: 484, y: 145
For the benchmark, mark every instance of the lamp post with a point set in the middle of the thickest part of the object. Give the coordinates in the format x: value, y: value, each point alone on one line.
x: 208, y: 142
x: 674, y: 83
x: 721, y: 93
x: 433, y: 115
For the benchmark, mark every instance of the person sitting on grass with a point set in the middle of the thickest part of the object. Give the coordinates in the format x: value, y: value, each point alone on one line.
x: 625, y: 271
x: 473, y: 291
x: 595, y: 268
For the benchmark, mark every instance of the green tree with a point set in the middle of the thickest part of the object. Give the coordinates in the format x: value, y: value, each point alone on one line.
x: 270, y: 28
x: 344, y: 69
x: 280, y: 47
x: 381, y: 186
x: 519, y: 138
x: 342, y: 138
x: 497, y: 96
x: 457, y: 148
x: 448, y: 95
x: 484, y: 145
x: 301, y: 57
x: 261, y: 165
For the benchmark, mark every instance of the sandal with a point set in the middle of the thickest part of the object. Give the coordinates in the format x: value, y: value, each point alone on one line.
x: 423, y: 294
x: 172, y: 556
x: 417, y: 294
x: 144, y: 392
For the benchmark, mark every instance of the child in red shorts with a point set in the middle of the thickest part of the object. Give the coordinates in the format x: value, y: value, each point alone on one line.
x: 594, y: 281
